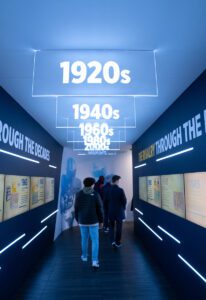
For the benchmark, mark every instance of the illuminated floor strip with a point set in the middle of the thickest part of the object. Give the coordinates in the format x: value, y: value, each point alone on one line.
x: 25, y: 245
x: 192, y: 268
x: 19, y: 156
x: 51, y: 166
x: 174, y: 154
x: 150, y: 229
x: 12, y: 243
x: 42, y: 221
x: 169, y: 234
x: 141, y: 213
x: 139, y: 166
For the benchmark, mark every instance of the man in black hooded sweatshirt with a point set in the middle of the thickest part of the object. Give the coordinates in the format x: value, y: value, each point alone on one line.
x: 89, y: 215
x: 116, y: 202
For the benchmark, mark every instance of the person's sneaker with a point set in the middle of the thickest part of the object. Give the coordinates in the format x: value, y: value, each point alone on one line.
x: 83, y: 258
x: 114, y: 245
x: 95, y: 264
x: 118, y: 245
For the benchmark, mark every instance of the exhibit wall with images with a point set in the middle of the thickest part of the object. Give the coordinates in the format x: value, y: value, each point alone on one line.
x: 76, y: 167
x: 169, y: 180
x: 28, y: 192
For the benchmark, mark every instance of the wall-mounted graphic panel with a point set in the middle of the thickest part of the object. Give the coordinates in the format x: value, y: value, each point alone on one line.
x: 154, y: 190
x: 195, y: 196
x: 49, y: 189
x: 143, y: 188
x: 16, y: 196
x: 37, y: 195
x: 1, y: 196
x: 172, y: 190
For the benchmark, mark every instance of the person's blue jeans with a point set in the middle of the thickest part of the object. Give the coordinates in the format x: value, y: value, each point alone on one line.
x: 93, y: 232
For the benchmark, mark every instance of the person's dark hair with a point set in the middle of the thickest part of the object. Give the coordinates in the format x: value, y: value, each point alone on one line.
x: 115, y: 178
x: 101, y: 179
x: 89, y: 181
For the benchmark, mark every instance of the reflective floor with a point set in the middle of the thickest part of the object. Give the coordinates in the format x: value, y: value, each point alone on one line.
x: 125, y: 273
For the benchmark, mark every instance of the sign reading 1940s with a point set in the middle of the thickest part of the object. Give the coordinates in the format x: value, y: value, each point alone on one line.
x: 90, y: 72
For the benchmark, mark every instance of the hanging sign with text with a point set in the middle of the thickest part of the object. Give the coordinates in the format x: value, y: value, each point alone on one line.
x: 94, y: 73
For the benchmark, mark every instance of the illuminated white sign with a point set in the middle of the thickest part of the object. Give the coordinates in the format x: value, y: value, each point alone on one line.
x: 105, y: 111
x: 70, y: 111
x: 78, y: 72
x: 96, y: 136
x: 94, y: 73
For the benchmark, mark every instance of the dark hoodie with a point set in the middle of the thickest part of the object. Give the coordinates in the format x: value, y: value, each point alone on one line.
x: 88, y: 207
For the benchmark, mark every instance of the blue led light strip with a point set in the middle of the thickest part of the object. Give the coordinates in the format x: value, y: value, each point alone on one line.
x: 19, y: 156
x: 139, y: 211
x: 25, y: 245
x: 192, y: 268
x: 169, y: 234
x: 42, y: 221
x: 145, y: 224
x: 174, y: 154
x: 139, y: 166
x: 12, y: 243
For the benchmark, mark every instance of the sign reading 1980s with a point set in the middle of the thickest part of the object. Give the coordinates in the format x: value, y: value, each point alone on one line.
x: 94, y: 73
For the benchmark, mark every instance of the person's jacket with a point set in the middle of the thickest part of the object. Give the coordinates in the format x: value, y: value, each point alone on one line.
x: 106, y: 190
x: 88, y: 207
x: 98, y: 187
x: 116, y: 201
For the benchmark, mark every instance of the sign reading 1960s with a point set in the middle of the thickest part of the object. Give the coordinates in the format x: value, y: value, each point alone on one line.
x: 99, y: 73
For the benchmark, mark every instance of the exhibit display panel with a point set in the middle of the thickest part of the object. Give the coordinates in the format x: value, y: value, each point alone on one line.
x: 49, y: 189
x: 143, y: 188
x: 172, y: 191
x: 16, y: 196
x: 154, y: 190
x: 1, y: 196
x: 37, y: 195
x: 195, y: 196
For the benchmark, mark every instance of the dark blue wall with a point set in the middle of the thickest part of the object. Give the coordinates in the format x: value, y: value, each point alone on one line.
x: 192, y: 236
x: 15, y: 262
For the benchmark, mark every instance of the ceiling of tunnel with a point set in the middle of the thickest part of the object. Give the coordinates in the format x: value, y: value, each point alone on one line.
x: 175, y: 31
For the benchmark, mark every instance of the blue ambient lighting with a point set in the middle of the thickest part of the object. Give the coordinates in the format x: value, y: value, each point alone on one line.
x: 139, y: 166
x: 174, y: 154
x: 25, y: 245
x: 141, y: 213
x: 19, y: 156
x: 12, y: 243
x: 192, y: 268
x: 42, y: 221
x: 150, y: 229
x: 51, y: 166
x: 169, y: 234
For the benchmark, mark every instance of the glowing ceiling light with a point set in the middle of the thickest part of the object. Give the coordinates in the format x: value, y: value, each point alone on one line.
x: 174, y: 154
x: 49, y: 216
x: 169, y: 234
x: 139, y: 211
x: 192, y: 268
x: 51, y: 166
x: 139, y: 166
x: 12, y: 243
x: 19, y: 156
x: 34, y: 237
x: 145, y: 224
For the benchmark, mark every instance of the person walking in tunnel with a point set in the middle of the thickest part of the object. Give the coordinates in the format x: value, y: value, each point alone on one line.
x: 98, y: 187
x: 106, y: 190
x: 89, y: 215
x: 116, y: 201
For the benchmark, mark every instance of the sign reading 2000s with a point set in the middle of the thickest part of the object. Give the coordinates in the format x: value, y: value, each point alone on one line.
x: 99, y: 73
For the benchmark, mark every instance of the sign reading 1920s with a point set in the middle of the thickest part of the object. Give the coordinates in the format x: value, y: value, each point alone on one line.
x: 90, y: 72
